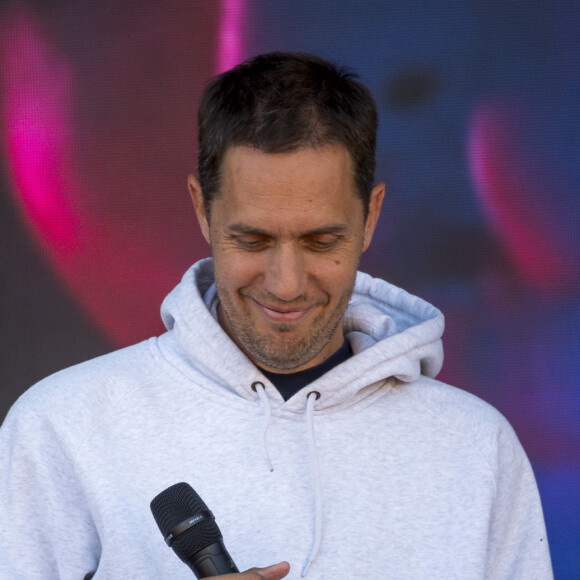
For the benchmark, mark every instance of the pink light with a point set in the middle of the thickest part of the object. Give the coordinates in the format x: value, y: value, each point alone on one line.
x: 37, y: 90
x: 89, y: 192
x: 231, y: 44
x: 516, y: 202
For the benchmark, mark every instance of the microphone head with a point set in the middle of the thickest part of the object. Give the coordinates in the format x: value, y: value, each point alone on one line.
x: 175, y: 505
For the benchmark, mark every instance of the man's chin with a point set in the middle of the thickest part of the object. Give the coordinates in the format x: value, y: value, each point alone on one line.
x: 284, y: 328
x: 281, y: 367
x: 282, y: 360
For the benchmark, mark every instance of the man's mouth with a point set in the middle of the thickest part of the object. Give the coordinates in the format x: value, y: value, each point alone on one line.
x: 283, y: 315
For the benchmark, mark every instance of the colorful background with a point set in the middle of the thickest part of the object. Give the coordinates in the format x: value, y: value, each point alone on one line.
x: 479, y: 144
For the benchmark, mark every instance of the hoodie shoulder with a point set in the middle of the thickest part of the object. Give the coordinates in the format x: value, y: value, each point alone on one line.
x: 78, y: 395
x: 470, y: 417
x: 458, y: 408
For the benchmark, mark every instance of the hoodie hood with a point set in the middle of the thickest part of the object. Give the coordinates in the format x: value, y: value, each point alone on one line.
x: 392, y: 334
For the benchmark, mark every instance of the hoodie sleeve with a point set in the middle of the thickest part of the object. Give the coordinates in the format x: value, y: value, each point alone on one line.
x: 45, y: 528
x: 518, y: 545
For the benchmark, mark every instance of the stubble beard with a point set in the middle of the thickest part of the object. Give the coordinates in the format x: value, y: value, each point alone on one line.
x: 278, y: 348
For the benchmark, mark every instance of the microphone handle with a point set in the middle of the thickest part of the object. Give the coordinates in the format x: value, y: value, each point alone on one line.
x: 212, y: 561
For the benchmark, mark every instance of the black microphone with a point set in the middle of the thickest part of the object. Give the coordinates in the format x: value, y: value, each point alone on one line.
x: 189, y: 527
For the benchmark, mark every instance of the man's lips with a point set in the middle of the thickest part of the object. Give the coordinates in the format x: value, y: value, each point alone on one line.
x: 276, y: 314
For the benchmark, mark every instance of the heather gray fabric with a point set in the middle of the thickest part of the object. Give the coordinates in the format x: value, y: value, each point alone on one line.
x: 415, y: 479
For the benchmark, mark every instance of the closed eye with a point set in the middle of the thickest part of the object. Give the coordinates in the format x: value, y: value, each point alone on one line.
x: 322, y: 242
x: 251, y: 242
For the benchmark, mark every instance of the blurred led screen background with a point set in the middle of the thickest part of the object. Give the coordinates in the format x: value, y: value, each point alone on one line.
x: 479, y: 144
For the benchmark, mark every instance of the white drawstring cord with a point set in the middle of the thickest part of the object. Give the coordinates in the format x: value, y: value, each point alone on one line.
x: 259, y: 388
x: 312, y: 397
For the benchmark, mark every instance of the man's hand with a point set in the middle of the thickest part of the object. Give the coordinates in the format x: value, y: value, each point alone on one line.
x: 274, y: 572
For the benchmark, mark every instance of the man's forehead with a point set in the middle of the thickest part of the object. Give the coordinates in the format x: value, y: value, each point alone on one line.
x: 293, y: 172
x: 291, y: 193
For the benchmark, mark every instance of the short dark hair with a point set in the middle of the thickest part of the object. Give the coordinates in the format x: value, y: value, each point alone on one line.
x: 281, y: 102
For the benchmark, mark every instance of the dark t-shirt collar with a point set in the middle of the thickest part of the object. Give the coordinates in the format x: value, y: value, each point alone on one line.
x: 290, y: 383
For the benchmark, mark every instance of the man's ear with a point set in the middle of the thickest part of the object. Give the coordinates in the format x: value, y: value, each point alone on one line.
x: 375, y: 203
x: 196, y: 196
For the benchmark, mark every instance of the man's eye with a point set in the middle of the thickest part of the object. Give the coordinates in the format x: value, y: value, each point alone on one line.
x: 322, y: 242
x: 250, y: 242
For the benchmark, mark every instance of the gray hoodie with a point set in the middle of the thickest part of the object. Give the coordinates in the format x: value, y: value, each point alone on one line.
x: 375, y: 470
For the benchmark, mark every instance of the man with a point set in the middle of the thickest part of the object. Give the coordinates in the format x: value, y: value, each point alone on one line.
x: 294, y: 394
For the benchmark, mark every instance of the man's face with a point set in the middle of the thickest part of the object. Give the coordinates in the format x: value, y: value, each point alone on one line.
x: 286, y: 233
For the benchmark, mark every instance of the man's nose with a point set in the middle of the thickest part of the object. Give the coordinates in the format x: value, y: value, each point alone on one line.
x: 286, y: 275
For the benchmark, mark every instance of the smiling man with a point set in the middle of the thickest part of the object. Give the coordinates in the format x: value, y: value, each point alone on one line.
x: 286, y: 237
x: 294, y: 393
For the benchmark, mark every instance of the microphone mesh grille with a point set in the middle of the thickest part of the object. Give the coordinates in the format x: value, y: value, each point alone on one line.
x: 173, y: 506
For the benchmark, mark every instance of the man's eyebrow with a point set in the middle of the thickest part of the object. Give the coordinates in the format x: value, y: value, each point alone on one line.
x: 241, y: 228
x: 328, y: 229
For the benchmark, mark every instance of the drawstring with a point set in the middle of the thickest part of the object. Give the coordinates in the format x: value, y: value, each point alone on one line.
x: 312, y: 397
x: 259, y: 388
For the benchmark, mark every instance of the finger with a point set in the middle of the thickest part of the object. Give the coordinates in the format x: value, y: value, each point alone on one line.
x: 274, y: 572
